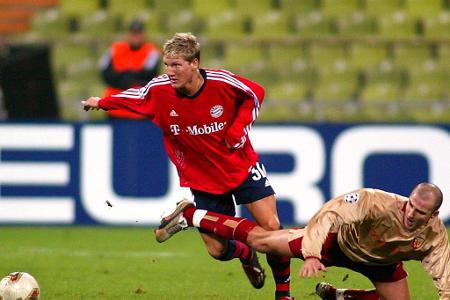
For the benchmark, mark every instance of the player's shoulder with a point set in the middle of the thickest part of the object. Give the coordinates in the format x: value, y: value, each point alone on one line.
x: 384, y: 198
x: 219, y: 72
x: 227, y: 78
x: 160, y: 81
x: 220, y: 76
x: 370, y: 194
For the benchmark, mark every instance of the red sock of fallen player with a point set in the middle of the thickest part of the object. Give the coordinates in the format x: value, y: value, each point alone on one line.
x: 231, y: 228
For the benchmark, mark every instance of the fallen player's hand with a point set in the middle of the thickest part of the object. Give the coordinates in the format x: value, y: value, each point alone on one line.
x: 312, y: 267
x: 91, y: 103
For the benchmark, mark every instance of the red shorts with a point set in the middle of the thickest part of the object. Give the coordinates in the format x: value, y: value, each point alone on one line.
x: 332, y: 255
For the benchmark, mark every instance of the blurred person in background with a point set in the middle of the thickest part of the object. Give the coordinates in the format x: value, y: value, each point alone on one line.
x: 129, y: 63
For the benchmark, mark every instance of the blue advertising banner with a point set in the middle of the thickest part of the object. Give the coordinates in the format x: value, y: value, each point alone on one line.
x: 118, y: 173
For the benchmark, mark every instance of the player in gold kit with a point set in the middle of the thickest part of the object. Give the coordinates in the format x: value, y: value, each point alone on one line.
x: 369, y: 231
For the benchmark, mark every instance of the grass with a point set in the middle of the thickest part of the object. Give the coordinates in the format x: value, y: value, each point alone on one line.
x: 127, y: 263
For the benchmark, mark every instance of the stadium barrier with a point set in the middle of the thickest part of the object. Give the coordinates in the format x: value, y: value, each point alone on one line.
x: 118, y: 173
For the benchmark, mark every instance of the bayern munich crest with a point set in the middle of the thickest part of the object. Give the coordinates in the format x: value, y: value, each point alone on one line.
x: 216, y: 111
x: 351, y: 198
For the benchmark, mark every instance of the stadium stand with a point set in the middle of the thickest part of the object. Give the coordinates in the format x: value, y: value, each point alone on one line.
x: 318, y: 59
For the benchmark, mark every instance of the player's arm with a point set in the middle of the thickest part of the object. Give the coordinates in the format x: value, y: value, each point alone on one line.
x: 346, y: 209
x: 437, y: 265
x: 251, y: 97
x: 133, y: 100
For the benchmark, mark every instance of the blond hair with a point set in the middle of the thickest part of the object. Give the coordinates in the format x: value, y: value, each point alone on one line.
x: 184, y: 45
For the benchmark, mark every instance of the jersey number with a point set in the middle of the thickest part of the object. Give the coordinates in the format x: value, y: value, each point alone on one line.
x: 258, y: 172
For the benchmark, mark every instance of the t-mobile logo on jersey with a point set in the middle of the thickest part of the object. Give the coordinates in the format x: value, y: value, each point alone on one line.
x: 198, y: 130
x: 206, y: 128
x: 175, y: 129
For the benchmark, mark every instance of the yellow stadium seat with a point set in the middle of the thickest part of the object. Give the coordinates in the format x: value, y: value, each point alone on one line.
x: 212, y: 8
x: 324, y: 55
x: 444, y: 55
x: 341, y: 8
x: 254, y: 7
x: 228, y: 25
x: 379, y: 8
x: 183, y: 21
x: 314, y: 25
x: 273, y: 24
x: 425, y: 92
x: 430, y: 82
x: 53, y: 24
x: 364, y: 55
x: 355, y: 25
x: 397, y: 25
x: 301, y: 7
x: 244, y: 58
x: 437, y: 26
x: 127, y: 8
x: 423, y: 8
x: 79, y: 7
x: 169, y: 6
x: 410, y: 55
x: 287, y: 91
x: 285, y: 57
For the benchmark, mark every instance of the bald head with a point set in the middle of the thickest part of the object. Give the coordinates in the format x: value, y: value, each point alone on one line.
x: 430, y: 193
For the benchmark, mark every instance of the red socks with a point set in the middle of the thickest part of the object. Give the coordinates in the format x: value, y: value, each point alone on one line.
x: 281, y: 270
x: 230, y: 228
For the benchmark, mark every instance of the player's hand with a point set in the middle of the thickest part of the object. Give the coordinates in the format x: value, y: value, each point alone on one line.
x: 91, y: 103
x: 312, y: 267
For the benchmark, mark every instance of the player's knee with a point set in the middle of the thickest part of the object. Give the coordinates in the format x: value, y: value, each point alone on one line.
x: 216, y: 251
x: 271, y: 224
x: 260, y: 246
x: 256, y: 240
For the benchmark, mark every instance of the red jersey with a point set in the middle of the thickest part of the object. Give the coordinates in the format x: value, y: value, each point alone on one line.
x: 197, y: 129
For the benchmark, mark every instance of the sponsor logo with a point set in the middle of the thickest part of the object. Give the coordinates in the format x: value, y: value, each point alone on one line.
x: 175, y: 129
x: 198, y: 129
x: 351, y: 198
x: 216, y: 111
x: 206, y: 128
x: 173, y: 113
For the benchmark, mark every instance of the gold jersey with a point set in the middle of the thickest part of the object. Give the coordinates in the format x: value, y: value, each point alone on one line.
x: 370, y: 229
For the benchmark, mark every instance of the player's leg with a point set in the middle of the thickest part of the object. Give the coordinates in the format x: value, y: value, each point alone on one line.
x: 229, y: 228
x: 221, y: 247
x: 397, y: 290
x: 327, y: 291
x: 265, y: 213
x: 389, y: 281
x: 258, y: 197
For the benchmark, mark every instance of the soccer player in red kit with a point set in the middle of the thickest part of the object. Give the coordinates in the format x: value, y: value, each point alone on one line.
x: 205, y: 116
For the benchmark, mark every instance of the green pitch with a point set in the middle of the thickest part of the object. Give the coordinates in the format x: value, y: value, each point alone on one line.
x: 127, y: 263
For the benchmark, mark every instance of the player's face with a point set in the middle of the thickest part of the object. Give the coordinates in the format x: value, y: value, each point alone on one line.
x: 418, y: 211
x: 182, y: 74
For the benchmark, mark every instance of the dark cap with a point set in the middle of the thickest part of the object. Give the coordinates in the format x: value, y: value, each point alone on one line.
x: 136, y: 26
